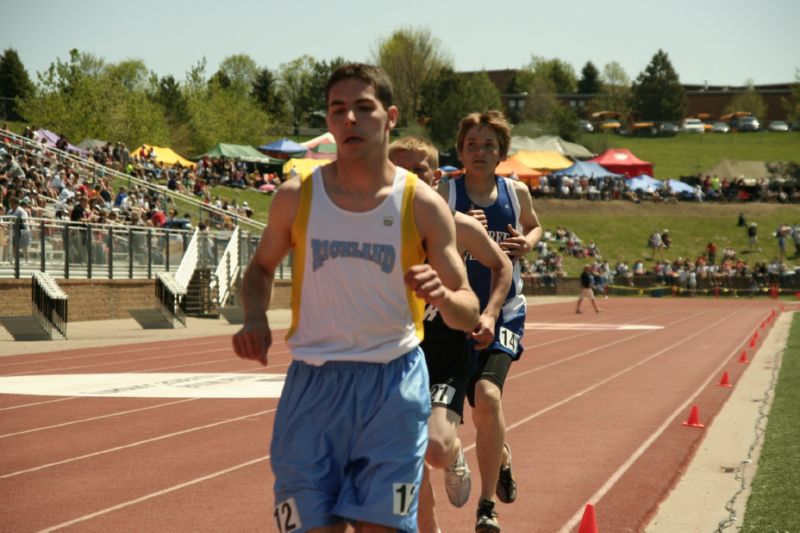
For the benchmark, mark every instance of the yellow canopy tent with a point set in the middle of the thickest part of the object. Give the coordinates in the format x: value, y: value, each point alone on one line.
x: 302, y: 167
x: 165, y: 156
x: 542, y: 161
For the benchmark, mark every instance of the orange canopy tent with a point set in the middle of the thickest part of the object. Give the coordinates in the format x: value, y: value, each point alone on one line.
x: 525, y: 174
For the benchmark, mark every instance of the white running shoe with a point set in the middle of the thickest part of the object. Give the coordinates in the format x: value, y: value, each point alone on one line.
x: 458, y: 480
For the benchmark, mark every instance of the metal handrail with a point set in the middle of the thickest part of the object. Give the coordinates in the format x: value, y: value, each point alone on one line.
x: 228, y: 268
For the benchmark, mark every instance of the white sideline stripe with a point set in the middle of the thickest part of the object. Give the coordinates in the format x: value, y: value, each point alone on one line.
x: 624, y: 467
x: 598, y: 348
x: 100, y: 417
x: 154, y: 495
x: 128, y: 361
x: 596, y: 326
x: 133, y: 444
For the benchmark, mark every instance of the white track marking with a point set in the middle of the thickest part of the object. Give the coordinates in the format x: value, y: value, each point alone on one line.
x: 99, y: 417
x: 147, y: 385
x: 134, y: 444
x: 586, y: 326
x: 154, y: 494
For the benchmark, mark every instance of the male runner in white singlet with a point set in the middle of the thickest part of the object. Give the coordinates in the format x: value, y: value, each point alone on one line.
x: 351, y: 425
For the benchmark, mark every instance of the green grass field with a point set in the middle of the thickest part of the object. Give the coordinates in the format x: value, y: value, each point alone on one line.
x: 772, y: 505
x: 687, y: 154
x: 621, y: 229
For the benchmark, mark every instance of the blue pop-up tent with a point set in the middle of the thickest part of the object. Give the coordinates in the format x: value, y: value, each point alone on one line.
x: 643, y: 182
x: 586, y: 169
x: 283, y: 146
x: 679, y: 187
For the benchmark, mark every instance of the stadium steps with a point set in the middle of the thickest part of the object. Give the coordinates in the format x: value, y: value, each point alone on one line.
x: 202, y: 296
x: 27, y: 328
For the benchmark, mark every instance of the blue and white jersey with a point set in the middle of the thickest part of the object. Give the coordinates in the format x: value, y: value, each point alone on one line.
x: 504, y: 211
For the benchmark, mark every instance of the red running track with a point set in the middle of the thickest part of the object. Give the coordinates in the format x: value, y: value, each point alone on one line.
x: 593, y: 412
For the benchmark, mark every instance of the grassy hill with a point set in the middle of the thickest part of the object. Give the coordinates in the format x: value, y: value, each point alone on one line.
x: 687, y: 154
x: 621, y: 229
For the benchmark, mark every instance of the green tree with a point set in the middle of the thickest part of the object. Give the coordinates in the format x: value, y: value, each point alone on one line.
x: 14, y: 83
x: 449, y: 97
x: 225, y: 115
x: 411, y: 57
x: 590, y: 79
x: 791, y: 105
x: 657, y: 91
x: 131, y: 73
x: 240, y: 71
x: 169, y: 95
x: 748, y: 100
x: 320, y: 73
x: 560, y: 73
x: 295, y: 81
x: 615, y: 91
x: 268, y: 96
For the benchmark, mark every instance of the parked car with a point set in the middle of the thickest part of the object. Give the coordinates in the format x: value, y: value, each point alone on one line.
x: 778, y: 125
x: 585, y: 126
x: 669, y: 128
x: 693, y: 125
x: 748, y: 124
x: 720, y: 127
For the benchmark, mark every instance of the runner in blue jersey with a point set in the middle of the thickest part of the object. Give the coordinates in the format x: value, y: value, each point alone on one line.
x: 505, y: 208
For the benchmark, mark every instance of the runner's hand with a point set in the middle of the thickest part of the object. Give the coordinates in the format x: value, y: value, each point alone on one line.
x: 253, y: 342
x: 426, y: 284
x: 479, y: 215
x: 515, y: 246
x: 483, y: 334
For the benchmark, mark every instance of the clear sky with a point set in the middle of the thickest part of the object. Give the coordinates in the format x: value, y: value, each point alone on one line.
x: 725, y: 42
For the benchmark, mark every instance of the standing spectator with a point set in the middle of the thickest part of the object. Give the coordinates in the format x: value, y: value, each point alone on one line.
x: 711, y: 250
x: 796, y: 237
x: 21, y: 228
x: 587, y: 289
x: 742, y: 221
x: 782, y: 233
x: 656, y: 244
x: 752, y: 235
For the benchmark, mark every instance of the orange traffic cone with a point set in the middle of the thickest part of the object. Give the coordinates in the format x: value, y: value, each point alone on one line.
x: 725, y: 381
x: 753, y: 341
x: 743, y: 358
x: 588, y: 522
x: 694, y: 419
x: 763, y: 324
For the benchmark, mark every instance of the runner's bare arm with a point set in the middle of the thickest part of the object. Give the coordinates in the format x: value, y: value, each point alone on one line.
x: 472, y: 238
x: 253, y: 340
x: 520, y: 243
x: 443, y: 281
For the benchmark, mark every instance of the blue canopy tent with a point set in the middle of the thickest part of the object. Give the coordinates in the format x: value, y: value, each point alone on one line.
x: 643, y: 182
x: 679, y: 187
x: 586, y: 169
x: 283, y: 148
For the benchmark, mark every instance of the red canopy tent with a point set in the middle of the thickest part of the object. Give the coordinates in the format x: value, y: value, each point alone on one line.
x: 622, y: 161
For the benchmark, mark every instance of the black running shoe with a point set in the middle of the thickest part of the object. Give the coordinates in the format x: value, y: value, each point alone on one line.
x: 487, y: 518
x: 506, y: 486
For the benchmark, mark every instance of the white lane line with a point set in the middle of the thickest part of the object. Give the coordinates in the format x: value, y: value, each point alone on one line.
x: 34, y: 404
x: 100, y: 417
x: 141, y: 348
x: 586, y: 326
x: 154, y: 494
x: 134, y: 444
